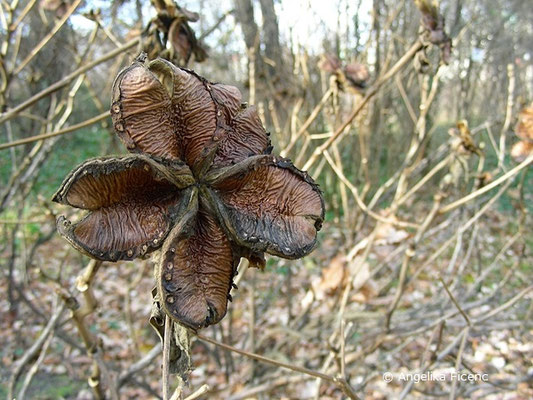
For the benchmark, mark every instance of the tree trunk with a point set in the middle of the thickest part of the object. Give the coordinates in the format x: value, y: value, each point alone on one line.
x: 271, y: 39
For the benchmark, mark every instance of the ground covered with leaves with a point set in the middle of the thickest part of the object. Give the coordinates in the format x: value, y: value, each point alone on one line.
x: 292, y: 313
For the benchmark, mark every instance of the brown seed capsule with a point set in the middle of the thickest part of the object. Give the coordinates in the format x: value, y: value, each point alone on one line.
x: 164, y: 194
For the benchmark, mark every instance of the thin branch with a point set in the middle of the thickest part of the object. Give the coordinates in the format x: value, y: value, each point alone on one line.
x: 72, y: 128
x: 166, y: 357
x: 371, y: 93
x: 139, y: 365
x: 454, y: 301
x: 22, y: 15
x: 307, y: 122
x: 508, y: 114
x: 459, y: 359
x: 504, y: 306
x: 268, y: 360
x: 34, y: 349
x: 488, y: 187
x: 193, y: 396
x: 66, y: 80
x: 47, y: 38
x: 359, y: 201
x: 34, y: 368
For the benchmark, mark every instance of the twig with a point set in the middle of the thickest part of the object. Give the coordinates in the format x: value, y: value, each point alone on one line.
x: 462, y: 228
x: 269, y: 360
x: 439, y: 357
x: 408, y: 255
x: 193, y: 396
x: 22, y: 15
x: 166, y: 357
x: 454, y: 301
x: 47, y: 38
x: 488, y: 187
x: 358, y: 200
x: 251, y: 322
x: 34, y: 368
x: 504, y: 306
x: 267, y: 386
x: 65, y: 81
x: 459, y: 358
x: 307, y: 122
x: 32, y: 351
x: 216, y: 25
x: 424, y: 180
x: 338, y: 381
x: 371, y: 93
x: 508, y: 114
x: 139, y: 365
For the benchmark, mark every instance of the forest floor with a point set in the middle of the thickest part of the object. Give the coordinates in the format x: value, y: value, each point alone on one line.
x: 292, y: 308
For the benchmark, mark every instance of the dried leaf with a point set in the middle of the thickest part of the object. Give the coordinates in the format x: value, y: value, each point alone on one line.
x: 180, y: 361
x: 387, y: 233
x: 524, y: 127
x: 333, y: 277
x: 521, y: 150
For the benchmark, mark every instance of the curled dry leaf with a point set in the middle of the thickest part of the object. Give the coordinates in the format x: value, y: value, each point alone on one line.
x: 524, y: 127
x: 201, y: 185
x: 465, y: 143
x: 333, y: 278
x: 521, y: 150
x: 387, y: 234
x: 357, y: 74
x: 524, y: 130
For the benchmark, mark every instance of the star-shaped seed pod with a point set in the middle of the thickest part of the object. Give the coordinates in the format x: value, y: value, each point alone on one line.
x: 201, y: 185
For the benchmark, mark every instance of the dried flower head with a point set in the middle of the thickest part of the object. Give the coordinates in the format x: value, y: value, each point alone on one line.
x: 201, y: 185
x: 432, y: 23
x: 353, y: 76
x: 171, y: 25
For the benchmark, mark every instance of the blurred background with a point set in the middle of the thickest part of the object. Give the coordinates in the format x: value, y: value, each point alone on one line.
x: 416, y: 121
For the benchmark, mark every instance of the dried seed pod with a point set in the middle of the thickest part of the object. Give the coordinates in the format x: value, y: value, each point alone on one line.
x: 198, y: 287
x: 207, y: 190
x: 432, y: 23
x: 132, y: 206
x: 352, y: 76
x: 285, y: 220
